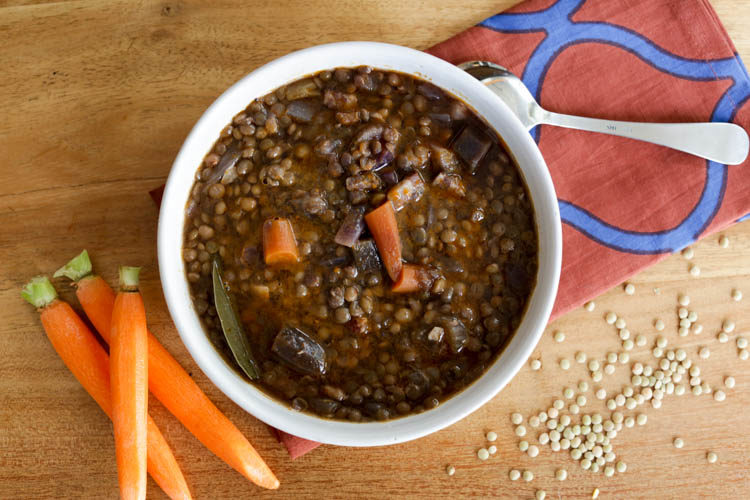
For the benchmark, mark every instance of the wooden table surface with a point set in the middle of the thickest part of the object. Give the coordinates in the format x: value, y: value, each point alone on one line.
x: 97, y: 97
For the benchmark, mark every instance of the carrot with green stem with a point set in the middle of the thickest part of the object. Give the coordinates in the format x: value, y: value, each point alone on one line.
x: 88, y: 362
x: 170, y: 383
x: 129, y: 377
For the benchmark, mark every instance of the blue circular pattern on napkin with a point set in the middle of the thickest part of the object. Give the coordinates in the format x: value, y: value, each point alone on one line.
x: 562, y: 32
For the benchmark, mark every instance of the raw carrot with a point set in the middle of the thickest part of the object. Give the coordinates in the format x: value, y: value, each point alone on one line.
x: 129, y: 378
x: 89, y: 363
x: 279, y: 245
x: 171, y: 384
x: 412, y: 279
x: 384, y: 228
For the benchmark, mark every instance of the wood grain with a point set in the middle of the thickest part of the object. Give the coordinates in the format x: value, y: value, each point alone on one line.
x: 97, y: 97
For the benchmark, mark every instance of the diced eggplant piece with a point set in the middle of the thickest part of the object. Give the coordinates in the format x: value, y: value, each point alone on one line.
x: 471, y: 145
x: 430, y: 91
x: 300, y: 351
x: 390, y: 177
x: 228, y: 160
x: 350, y: 230
x: 455, y: 334
x: 444, y: 159
x: 366, y: 256
x: 443, y: 119
x: 451, y: 183
x: 341, y: 101
x: 357, y: 197
x: 363, y: 182
x: 302, y: 110
x: 409, y: 190
x: 369, y: 132
x: 301, y: 89
x: 384, y: 158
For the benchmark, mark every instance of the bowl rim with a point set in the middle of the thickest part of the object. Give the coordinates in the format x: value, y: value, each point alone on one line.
x: 263, y: 406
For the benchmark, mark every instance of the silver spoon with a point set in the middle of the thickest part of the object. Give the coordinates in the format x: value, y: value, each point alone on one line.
x: 725, y: 143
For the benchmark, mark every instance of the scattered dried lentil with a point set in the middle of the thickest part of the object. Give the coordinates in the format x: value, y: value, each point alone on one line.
x: 727, y: 326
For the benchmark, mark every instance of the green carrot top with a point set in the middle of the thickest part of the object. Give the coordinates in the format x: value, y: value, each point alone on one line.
x: 39, y: 292
x: 129, y: 278
x: 77, y: 268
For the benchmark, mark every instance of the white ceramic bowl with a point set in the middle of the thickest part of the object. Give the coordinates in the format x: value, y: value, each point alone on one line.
x: 287, y: 69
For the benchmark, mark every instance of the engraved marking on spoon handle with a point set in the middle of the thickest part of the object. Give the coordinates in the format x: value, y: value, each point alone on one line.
x: 725, y: 143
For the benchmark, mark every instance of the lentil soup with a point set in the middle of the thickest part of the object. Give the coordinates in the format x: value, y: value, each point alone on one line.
x: 375, y: 238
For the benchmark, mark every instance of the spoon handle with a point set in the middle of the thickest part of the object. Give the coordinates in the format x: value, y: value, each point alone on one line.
x: 725, y: 143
